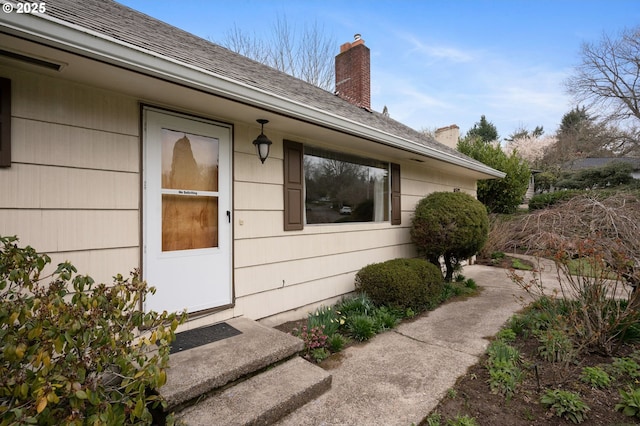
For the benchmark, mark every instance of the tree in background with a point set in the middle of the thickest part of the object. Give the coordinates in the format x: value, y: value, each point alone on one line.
x: 613, y: 174
x: 498, y: 195
x: 608, y: 75
x: 582, y: 135
x: 607, y: 80
x: 523, y: 132
x: 484, y: 130
x: 307, y: 54
x: 452, y: 225
x: 531, y: 148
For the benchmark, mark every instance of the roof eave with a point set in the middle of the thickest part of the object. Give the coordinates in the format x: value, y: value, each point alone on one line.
x: 96, y: 45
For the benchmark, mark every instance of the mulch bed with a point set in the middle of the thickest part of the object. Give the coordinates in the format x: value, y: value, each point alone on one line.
x: 473, y: 396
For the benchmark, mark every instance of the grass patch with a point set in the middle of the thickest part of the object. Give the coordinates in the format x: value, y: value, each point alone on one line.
x: 520, y: 265
x: 585, y: 267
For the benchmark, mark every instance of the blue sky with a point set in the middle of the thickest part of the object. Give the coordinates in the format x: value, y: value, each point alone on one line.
x: 436, y: 62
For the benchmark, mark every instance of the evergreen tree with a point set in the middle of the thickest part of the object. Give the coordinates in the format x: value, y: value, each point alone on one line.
x: 484, y: 129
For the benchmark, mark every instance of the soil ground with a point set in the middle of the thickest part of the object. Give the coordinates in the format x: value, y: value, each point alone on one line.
x: 471, y: 395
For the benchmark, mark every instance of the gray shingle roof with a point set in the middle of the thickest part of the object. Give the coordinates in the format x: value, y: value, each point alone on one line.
x: 588, y: 163
x: 135, y: 28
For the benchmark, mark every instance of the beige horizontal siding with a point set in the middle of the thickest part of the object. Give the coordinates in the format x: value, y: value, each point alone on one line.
x: 277, y: 249
x: 66, y: 145
x: 73, y: 187
x: 262, y: 305
x: 29, y: 186
x: 101, y: 265
x: 72, y: 230
x: 275, y: 276
x: 256, y: 196
x: 257, y: 223
x: 53, y: 100
x: 249, y: 169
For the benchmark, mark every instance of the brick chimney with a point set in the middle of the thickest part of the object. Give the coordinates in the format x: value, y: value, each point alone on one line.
x: 448, y: 135
x: 353, y: 75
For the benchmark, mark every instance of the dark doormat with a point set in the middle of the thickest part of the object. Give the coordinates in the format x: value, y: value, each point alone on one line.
x: 201, y: 336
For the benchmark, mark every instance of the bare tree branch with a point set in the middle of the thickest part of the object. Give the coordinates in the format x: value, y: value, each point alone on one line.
x: 307, y: 54
x: 609, y: 75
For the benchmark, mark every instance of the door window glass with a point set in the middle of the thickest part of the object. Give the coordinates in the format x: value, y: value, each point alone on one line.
x: 189, y: 191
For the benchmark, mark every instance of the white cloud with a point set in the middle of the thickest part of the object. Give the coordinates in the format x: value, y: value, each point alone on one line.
x: 434, y: 50
x: 427, y: 82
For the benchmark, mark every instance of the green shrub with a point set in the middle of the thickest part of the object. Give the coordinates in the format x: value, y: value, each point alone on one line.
x: 565, y: 404
x: 629, y: 402
x: 499, y: 195
x: 497, y: 255
x: 361, y: 327
x: 401, y: 283
x: 543, y: 201
x: 72, y: 352
x: 354, y: 305
x: 471, y: 284
x: 596, y: 377
x: 506, y: 335
x: 336, y: 342
x: 613, y: 174
x: 451, y: 225
x: 625, y: 367
x: 385, y: 319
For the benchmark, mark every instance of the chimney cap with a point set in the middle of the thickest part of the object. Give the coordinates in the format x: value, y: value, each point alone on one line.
x: 357, y: 37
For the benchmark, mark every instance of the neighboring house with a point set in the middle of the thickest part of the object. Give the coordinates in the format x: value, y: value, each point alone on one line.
x: 531, y: 188
x: 597, y: 162
x: 131, y: 147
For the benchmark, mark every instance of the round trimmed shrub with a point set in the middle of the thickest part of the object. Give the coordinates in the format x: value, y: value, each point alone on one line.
x: 453, y: 225
x: 402, y: 283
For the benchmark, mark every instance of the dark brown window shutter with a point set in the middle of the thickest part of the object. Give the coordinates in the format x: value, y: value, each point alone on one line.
x: 293, y: 186
x: 396, y: 210
x: 5, y: 122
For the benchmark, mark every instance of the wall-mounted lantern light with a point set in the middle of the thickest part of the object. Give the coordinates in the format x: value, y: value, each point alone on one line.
x: 262, y: 142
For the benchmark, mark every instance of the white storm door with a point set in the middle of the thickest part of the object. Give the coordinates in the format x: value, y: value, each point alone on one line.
x: 186, y: 212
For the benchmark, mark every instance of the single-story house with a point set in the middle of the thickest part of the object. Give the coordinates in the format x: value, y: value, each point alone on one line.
x: 597, y: 162
x: 129, y: 144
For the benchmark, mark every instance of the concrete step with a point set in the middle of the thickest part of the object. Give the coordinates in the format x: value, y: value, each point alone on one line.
x: 262, y: 399
x: 196, y: 372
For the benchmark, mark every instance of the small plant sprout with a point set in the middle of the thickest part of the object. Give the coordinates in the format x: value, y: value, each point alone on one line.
x: 595, y: 377
x: 566, y: 405
x: 629, y: 402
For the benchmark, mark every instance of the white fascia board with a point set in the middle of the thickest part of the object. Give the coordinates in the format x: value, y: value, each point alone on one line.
x: 96, y: 45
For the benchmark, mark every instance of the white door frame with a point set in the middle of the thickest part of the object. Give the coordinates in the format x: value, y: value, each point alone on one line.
x: 192, y: 279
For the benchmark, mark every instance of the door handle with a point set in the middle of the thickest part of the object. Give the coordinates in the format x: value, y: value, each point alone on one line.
x: 228, y: 216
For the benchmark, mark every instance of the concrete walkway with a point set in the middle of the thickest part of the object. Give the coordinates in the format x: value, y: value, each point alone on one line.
x: 398, y: 377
